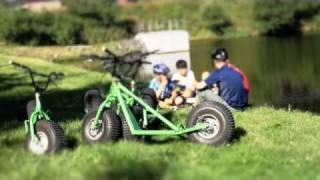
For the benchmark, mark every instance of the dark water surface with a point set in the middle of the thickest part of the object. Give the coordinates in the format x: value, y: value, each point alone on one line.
x: 283, y: 71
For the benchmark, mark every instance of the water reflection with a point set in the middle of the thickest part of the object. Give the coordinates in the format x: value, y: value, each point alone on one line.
x: 282, y: 71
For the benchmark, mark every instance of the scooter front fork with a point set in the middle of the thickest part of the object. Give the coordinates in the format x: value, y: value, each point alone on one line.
x: 26, y: 126
x: 30, y: 128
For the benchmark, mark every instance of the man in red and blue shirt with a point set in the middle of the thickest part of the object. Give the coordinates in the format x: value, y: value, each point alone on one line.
x: 245, y: 79
x: 232, y: 83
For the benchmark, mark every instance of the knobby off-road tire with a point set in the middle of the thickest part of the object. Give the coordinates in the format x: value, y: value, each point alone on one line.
x: 30, y: 107
x: 137, y: 109
x: 220, y: 121
x: 126, y: 133
x: 51, y: 138
x: 109, y: 127
x: 92, y: 100
x: 149, y: 97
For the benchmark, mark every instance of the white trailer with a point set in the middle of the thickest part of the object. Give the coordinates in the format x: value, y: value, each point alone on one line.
x: 171, y: 45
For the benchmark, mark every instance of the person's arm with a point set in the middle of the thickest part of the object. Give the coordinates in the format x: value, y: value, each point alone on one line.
x: 192, y: 76
x: 201, y: 85
x: 175, y: 77
x: 193, y: 80
x: 174, y: 94
x: 156, y: 87
x: 213, y: 78
x: 170, y: 100
x: 204, y: 76
x: 159, y: 91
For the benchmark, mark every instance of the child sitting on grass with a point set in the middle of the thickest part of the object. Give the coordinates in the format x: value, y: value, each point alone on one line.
x: 166, y: 90
x: 184, y: 79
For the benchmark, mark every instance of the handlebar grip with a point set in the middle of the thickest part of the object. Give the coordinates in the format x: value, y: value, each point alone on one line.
x: 106, y: 50
x: 146, y: 62
x: 20, y: 66
x: 56, y: 76
x: 137, y: 61
x: 60, y: 75
x: 15, y: 64
x: 150, y: 52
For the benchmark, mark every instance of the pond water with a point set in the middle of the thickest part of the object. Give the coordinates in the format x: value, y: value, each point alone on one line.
x: 283, y: 71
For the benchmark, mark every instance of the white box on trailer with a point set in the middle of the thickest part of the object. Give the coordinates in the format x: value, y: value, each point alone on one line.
x: 171, y: 46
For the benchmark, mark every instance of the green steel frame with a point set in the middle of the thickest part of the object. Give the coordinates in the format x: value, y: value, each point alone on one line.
x: 37, y: 114
x: 125, y: 98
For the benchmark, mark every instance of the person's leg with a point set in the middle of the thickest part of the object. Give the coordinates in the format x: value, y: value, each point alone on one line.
x: 169, y: 101
x: 179, y: 100
x: 209, y: 95
x: 164, y: 105
x: 187, y: 93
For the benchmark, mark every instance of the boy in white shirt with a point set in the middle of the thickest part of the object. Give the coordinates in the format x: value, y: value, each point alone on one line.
x: 185, y: 79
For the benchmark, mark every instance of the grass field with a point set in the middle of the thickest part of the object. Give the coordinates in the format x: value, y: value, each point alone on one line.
x: 268, y: 143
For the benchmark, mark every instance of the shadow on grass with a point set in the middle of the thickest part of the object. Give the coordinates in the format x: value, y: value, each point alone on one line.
x: 61, y: 105
x: 11, y: 142
x: 137, y: 169
x: 72, y: 142
x: 238, y: 133
x: 9, y: 81
x: 166, y: 140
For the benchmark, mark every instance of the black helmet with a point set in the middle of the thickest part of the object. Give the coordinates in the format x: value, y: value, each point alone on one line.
x: 220, y: 54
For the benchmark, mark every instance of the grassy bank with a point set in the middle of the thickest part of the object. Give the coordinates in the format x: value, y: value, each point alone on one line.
x: 268, y: 143
x: 65, y: 53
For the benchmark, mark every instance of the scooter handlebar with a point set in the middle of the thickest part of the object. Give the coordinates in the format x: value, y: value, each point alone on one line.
x: 20, y: 66
x: 53, y: 76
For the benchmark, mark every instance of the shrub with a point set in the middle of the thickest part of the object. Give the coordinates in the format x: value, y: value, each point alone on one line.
x: 275, y: 17
x: 93, y: 21
x: 67, y: 29
x: 101, y: 11
x: 26, y: 28
x: 97, y: 21
x: 278, y: 17
x: 101, y: 34
x: 215, y: 18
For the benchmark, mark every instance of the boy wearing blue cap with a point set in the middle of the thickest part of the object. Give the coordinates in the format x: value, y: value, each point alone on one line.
x: 164, y: 88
